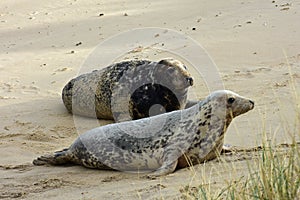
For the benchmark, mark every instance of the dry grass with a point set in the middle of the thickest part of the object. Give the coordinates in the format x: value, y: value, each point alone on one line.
x: 275, y: 174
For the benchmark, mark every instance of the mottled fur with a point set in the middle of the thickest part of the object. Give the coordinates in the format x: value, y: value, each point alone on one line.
x: 127, y: 90
x: 159, y: 143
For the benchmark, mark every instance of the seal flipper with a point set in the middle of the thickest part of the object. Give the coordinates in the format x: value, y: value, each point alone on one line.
x: 163, y: 170
x: 58, y: 158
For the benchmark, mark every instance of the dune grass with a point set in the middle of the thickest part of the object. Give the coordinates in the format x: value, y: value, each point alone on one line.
x: 275, y: 174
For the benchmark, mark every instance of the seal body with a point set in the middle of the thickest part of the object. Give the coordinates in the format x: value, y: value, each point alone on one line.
x: 129, y: 90
x: 160, y: 143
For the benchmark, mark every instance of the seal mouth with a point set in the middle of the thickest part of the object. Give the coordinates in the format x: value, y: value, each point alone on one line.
x: 190, y: 80
x: 252, y: 104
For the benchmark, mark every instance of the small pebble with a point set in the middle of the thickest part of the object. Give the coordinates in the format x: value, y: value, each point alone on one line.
x: 284, y: 9
x: 238, y: 25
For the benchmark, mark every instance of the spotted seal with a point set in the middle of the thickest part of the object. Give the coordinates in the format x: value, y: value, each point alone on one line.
x: 160, y: 143
x: 129, y: 90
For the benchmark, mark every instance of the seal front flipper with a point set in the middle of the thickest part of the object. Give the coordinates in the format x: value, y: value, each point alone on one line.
x: 58, y: 158
x: 165, y: 169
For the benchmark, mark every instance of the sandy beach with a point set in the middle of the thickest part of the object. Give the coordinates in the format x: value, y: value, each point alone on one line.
x: 254, y: 44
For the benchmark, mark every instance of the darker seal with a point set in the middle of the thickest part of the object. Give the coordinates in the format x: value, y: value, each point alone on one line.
x: 129, y: 90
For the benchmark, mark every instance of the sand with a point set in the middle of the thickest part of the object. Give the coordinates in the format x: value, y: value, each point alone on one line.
x: 43, y: 44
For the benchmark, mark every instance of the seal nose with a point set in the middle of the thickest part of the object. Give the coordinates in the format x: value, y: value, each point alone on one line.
x: 190, y: 80
x: 252, y: 102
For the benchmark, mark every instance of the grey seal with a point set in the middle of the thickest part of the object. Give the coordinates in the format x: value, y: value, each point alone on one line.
x: 158, y: 144
x: 129, y: 90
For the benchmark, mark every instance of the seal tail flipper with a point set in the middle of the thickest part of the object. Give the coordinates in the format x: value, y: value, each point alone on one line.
x: 58, y: 158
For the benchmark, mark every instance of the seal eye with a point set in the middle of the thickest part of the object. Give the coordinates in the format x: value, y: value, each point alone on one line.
x: 231, y: 100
